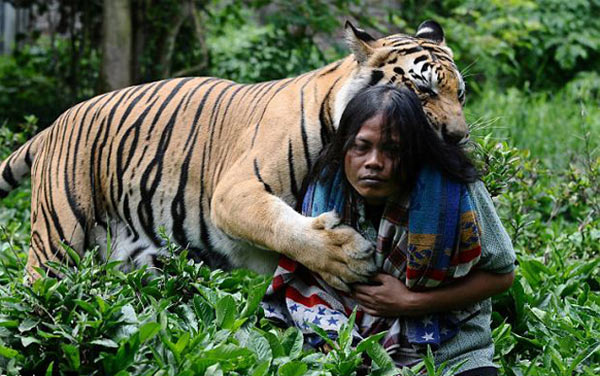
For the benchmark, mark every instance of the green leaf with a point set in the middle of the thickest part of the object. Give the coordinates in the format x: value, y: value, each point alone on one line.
x: 255, y: 296
x: 276, y: 346
x: 380, y: 356
x: 323, y: 334
x: 292, y: 342
x: 345, y: 333
x: 148, y: 331
x: 128, y: 314
x: 294, y: 368
x: 582, y: 356
x: 9, y: 323
x: 7, y: 352
x: 72, y: 354
x: 27, y: 324
x: 87, y: 307
x: 204, y: 311
x: 50, y: 369
x: 105, y: 342
x: 370, y: 341
x: 73, y: 255
x: 226, y: 312
x: 182, y: 342
x: 262, y: 369
x: 429, y: 361
x: 260, y: 345
x: 26, y: 341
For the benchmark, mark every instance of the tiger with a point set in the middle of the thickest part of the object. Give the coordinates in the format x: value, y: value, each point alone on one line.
x: 219, y: 165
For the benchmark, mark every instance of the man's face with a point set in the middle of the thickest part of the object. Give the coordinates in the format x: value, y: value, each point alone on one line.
x: 369, y: 163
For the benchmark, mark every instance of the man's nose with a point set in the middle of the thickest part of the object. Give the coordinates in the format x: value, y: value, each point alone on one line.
x: 374, y: 159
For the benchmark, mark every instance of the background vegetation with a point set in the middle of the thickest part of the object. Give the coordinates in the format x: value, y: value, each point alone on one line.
x: 531, y: 69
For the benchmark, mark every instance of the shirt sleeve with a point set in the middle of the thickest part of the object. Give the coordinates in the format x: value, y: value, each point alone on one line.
x: 497, y: 252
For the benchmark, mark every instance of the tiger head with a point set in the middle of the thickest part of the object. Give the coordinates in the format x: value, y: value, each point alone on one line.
x: 422, y: 63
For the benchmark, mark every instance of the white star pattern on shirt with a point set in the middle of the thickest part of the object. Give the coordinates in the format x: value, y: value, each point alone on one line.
x: 427, y: 321
x: 427, y: 337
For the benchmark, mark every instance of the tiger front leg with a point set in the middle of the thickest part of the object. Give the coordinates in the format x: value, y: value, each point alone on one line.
x: 244, y: 210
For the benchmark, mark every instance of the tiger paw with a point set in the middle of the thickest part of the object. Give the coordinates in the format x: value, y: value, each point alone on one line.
x: 338, y: 252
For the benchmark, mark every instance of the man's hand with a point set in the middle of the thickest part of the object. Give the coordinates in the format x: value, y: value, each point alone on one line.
x: 390, y: 298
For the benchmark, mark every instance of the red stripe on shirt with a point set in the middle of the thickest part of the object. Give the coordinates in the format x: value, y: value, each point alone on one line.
x: 310, y: 301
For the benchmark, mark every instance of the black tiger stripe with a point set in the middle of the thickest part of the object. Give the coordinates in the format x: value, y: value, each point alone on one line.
x: 136, y: 128
x: 38, y: 245
x: 226, y: 112
x: 115, y: 194
x: 214, y: 116
x: 376, y: 76
x: 399, y: 71
x: 204, y: 235
x: 327, y: 130
x: 104, y: 142
x: 94, y: 172
x: 155, y: 167
x: 284, y: 84
x: 158, y: 85
x: 54, y: 217
x: 166, y: 102
x: 128, y: 219
x: 178, y: 212
x: 420, y: 59
x: 28, y: 161
x: 257, y: 102
x: 120, y: 166
x: 303, y: 126
x: 8, y: 176
x: 260, y: 179
x: 250, y: 97
x: 332, y: 69
x: 97, y: 113
x: 293, y: 184
x: 194, y: 90
x: 71, y: 181
x: 412, y: 50
x: 404, y: 43
x: 135, y: 253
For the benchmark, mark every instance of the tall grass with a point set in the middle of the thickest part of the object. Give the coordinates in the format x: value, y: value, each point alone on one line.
x: 551, y: 125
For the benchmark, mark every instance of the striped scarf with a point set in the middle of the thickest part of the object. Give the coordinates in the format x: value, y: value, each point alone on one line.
x: 427, y: 241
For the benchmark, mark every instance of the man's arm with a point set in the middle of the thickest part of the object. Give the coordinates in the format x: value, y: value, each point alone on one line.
x: 392, y: 298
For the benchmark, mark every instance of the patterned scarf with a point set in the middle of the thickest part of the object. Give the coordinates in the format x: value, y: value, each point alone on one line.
x: 429, y: 241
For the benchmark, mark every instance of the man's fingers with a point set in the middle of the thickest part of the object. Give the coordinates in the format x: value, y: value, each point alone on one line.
x: 370, y: 311
x: 363, y: 298
x: 364, y: 289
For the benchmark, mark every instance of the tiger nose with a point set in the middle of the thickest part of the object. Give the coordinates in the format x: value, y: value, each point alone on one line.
x: 456, y: 137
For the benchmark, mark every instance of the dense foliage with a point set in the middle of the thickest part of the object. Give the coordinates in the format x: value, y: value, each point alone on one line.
x: 186, y: 319
x: 534, y: 106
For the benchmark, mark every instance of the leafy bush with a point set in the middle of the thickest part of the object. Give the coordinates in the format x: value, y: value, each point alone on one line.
x: 38, y: 80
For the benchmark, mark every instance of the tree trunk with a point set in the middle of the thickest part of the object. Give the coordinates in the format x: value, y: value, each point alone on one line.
x: 168, y: 46
x: 116, y: 44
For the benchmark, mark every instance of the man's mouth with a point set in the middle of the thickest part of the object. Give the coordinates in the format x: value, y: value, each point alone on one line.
x: 372, y: 178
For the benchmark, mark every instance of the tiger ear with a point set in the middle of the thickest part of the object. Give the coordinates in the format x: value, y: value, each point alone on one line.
x: 359, y: 42
x: 431, y: 30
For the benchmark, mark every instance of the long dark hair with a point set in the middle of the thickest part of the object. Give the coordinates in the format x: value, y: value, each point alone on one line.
x: 417, y: 142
